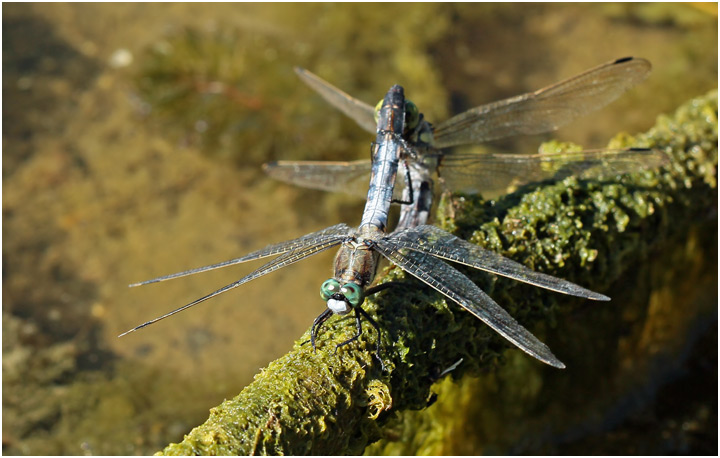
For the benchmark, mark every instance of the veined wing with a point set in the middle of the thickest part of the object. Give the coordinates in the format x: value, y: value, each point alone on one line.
x: 321, y: 244
x: 495, y: 173
x: 348, y: 177
x: 362, y: 113
x: 460, y: 289
x: 436, y: 242
x: 545, y: 109
x: 313, y: 239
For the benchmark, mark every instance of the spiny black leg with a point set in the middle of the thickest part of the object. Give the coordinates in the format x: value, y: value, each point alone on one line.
x: 358, y: 321
x: 323, y: 317
x: 370, y: 291
x: 377, y: 328
x: 408, y: 184
x: 358, y: 324
x: 383, y: 286
x: 408, y: 181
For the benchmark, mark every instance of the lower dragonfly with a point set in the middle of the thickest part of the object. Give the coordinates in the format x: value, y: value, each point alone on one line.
x: 535, y: 112
x: 420, y: 251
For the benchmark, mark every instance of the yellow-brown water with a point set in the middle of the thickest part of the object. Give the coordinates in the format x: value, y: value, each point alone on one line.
x: 104, y: 185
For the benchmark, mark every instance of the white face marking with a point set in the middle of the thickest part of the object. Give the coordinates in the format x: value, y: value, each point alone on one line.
x: 338, y: 307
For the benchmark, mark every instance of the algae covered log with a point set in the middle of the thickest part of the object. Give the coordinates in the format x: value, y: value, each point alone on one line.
x: 589, y: 232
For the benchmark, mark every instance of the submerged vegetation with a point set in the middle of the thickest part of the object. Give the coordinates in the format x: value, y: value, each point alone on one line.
x: 231, y: 90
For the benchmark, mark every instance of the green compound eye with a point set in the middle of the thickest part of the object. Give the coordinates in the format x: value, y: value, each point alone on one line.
x: 353, y: 293
x: 378, y: 107
x: 329, y: 288
x: 412, y: 115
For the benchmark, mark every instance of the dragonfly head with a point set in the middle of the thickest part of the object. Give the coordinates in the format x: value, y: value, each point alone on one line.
x: 412, y: 114
x: 341, y: 298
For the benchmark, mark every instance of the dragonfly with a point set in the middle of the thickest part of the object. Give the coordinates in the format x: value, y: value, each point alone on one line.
x: 421, y: 251
x: 536, y: 112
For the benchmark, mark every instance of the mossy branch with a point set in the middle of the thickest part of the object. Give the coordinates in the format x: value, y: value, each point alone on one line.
x: 585, y: 231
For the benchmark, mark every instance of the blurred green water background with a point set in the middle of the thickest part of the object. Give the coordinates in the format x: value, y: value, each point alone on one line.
x: 132, y: 140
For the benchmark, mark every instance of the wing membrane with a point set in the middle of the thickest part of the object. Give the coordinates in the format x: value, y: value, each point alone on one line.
x: 437, y: 242
x: 546, y: 109
x: 360, y: 112
x: 348, y: 177
x: 291, y: 257
x: 495, y: 173
x: 460, y: 289
x: 319, y: 237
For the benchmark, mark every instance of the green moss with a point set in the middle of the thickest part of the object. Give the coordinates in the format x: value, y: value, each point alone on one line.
x: 589, y: 232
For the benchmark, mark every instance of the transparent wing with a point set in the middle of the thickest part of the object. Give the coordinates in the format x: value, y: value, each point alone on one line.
x: 348, y: 177
x: 460, y: 289
x: 309, y: 240
x: 360, y: 112
x: 495, y: 173
x: 436, y: 242
x: 545, y: 109
x: 321, y: 244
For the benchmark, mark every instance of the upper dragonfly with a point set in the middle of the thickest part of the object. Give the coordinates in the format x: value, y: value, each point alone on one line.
x: 420, y: 251
x: 535, y: 112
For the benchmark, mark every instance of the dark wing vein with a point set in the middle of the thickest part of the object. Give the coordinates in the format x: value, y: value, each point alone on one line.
x: 330, y: 233
x: 348, y: 177
x: 460, y: 289
x: 543, y: 110
x: 360, y: 112
x: 286, y: 259
x: 490, y: 173
x: 437, y: 242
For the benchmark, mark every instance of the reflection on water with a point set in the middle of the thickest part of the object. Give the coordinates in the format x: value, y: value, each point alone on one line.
x: 118, y: 171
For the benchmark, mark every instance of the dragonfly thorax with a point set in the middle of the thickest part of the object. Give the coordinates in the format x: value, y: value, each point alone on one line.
x: 356, y: 260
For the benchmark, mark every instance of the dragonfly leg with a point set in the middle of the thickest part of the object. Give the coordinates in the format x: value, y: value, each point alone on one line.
x: 323, y: 317
x: 377, y: 328
x: 358, y: 313
x: 408, y: 187
x: 391, y: 284
x: 358, y: 323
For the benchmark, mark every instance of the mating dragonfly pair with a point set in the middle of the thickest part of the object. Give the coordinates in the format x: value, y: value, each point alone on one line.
x: 406, y: 144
